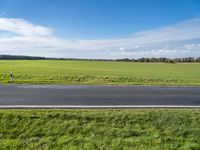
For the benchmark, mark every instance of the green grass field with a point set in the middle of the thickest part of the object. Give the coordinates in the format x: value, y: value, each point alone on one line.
x: 100, y: 129
x: 99, y: 73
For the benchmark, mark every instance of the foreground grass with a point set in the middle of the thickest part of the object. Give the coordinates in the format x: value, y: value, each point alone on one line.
x: 100, y: 129
x: 96, y: 72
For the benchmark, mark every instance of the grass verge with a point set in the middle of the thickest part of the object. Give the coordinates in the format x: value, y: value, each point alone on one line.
x: 100, y: 129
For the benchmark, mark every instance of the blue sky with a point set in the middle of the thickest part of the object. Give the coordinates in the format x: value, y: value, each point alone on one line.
x: 100, y: 28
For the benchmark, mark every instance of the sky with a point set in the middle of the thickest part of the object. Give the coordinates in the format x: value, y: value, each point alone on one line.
x: 100, y: 29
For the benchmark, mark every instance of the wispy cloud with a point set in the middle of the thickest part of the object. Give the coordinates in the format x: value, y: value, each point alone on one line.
x: 22, y: 27
x: 178, y: 40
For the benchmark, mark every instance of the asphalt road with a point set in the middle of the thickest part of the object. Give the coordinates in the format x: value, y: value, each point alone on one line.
x: 98, y: 95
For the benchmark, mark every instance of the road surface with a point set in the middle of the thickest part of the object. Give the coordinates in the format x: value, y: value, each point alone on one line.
x: 58, y: 95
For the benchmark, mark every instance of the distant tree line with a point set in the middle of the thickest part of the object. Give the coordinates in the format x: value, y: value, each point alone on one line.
x: 145, y: 60
x: 17, y: 57
x: 162, y: 59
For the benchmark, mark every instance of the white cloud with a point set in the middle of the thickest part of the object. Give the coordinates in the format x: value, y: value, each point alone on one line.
x: 182, y: 39
x: 192, y: 47
x: 22, y: 27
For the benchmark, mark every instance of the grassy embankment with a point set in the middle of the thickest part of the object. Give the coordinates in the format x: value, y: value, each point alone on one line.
x: 99, y: 73
x: 97, y: 129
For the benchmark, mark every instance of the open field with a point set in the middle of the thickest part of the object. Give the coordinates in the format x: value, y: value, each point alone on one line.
x: 99, y: 73
x: 100, y: 129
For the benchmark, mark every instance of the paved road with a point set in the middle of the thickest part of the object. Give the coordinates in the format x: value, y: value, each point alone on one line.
x: 98, y: 95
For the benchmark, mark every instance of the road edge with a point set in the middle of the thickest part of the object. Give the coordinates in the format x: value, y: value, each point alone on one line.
x: 94, y: 106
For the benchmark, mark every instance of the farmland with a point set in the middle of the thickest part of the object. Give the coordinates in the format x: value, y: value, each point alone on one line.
x: 99, y: 73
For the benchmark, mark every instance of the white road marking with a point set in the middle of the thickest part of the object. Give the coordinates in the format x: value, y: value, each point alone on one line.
x: 93, y: 106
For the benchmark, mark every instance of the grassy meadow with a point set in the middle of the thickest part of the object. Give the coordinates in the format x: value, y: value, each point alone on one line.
x: 97, y: 129
x: 99, y: 72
